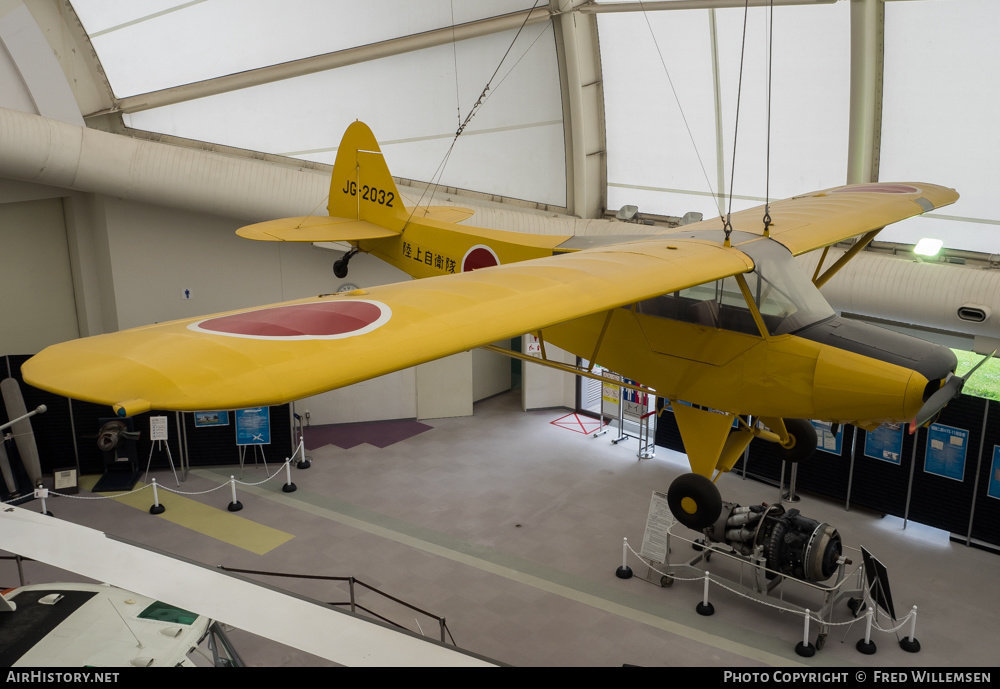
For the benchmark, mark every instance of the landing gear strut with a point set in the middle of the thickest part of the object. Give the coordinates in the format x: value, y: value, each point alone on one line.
x: 340, y: 265
x: 803, y: 441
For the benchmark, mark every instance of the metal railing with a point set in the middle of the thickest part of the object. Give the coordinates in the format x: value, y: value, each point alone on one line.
x: 353, y: 603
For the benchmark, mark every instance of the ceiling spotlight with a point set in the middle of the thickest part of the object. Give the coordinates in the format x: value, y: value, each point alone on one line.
x: 628, y: 214
x: 928, y: 247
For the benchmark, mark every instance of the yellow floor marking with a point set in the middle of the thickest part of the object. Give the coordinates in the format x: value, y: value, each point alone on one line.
x: 210, y: 521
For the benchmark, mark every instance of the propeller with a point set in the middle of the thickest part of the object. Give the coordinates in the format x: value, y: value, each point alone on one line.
x: 935, y: 403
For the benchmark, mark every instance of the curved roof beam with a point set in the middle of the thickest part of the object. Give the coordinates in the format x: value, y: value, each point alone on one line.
x: 322, y: 63
x: 656, y: 6
x: 583, y: 110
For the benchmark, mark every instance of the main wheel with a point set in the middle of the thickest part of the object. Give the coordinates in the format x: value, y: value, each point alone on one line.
x: 340, y: 269
x: 694, y: 501
x: 803, y: 435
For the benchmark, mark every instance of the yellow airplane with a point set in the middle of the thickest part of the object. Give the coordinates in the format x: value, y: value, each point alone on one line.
x: 717, y: 316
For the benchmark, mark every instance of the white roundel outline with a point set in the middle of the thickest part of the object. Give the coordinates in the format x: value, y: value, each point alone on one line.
x: 866, y: 188
x: 479, y: 246
x: 385, y: 313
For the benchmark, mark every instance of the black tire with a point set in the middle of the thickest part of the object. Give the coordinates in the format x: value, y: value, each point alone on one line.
x: 804, y: 435
x: 340, y: 269
x: 694, y: 501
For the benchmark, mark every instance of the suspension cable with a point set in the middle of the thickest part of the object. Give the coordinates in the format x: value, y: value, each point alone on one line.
x: 767, y: 168
x: 439, y: 172
x: 677, y: 100
x: 727, y: 225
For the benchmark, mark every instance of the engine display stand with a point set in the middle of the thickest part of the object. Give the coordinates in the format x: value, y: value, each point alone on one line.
x: 758, y: 582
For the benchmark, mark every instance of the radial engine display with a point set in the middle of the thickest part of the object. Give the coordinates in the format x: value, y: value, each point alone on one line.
x: 791, y: 544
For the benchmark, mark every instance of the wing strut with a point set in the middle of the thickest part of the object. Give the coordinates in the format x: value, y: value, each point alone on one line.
x: 866, y: 239
x: 559, y: 366
x: 600, y: 340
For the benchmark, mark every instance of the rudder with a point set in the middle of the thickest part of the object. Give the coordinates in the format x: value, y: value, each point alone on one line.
x: 361, y: 186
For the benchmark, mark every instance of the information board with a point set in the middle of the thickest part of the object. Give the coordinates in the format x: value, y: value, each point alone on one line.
x: 885, y: 443
x: 253, y: 426
x: 946, y: 448
x: 658, y: 521
x: 994, y: 487
x: 827, y: 441
x: 157, y: 428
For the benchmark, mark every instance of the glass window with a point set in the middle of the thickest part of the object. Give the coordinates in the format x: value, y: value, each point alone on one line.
x: 785, y: 297
x: 148, y: 45
x: 655, y: 164
x: 939, y: 116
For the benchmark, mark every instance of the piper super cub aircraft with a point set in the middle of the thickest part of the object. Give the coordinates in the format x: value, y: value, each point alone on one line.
x: 716, y: 315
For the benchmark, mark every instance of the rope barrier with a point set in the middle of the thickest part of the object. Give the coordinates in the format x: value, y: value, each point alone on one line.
x: 160, y: 486
x: 811, y: 614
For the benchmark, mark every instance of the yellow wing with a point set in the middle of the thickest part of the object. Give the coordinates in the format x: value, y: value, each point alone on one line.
x: 284, y: 352
x: 812, y: 221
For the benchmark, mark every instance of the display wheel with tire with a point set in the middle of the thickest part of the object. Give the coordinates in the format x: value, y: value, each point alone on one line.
x: 803, y: 434
x: 694, y: 501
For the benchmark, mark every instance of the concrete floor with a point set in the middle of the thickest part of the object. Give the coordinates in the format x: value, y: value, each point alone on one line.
x: 511, y: 528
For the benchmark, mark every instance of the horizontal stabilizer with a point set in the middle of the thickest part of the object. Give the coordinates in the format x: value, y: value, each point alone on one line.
x: 443, y: 213
x: 321, y: 228
x: 314, y: 228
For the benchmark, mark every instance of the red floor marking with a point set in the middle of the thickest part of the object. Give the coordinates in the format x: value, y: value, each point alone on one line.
x: 578, y: 424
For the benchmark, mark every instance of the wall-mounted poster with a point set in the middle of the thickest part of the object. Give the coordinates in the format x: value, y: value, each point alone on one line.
x: 885, y: 443
x: 827, y: 441
x: 994, y: 486
x: 211, y: 418
x: 945, y: 455
x: 253, y: 426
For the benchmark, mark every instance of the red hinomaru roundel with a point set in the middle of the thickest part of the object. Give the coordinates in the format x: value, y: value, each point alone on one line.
x: 329, y: 320
x: 479, y: 256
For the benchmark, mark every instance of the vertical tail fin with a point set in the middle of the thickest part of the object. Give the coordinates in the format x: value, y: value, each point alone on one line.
x: 361, y: 186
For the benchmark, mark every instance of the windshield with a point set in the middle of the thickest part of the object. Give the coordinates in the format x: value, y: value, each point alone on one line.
x: 786, y: 298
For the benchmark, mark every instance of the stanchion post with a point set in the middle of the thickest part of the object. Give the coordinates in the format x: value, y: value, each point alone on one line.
x: 704, y: 607
x: 804, y: 648
x: 235, y: 505
x: 157, y: 508
x: 289, y: 487
x: 304, y: 462
x: 910, y: 643
x: 42, y: 492
x: 624, y: 572
x: 866, y: 645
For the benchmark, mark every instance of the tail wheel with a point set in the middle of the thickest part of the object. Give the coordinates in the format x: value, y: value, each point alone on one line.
x: 803, y: 436
x: 694, y: 501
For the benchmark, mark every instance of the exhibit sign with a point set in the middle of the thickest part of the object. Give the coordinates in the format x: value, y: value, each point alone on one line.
x: 885, y: 443
x: 827, y: 441
x: 157, y: 428
x: 211, y: 418
x: 946, y: 448
x: 634, y: 403
x: 253, y: 426
x: 610, y: 387
x: 994, y: 485
x: 658, y: 522
x: 611, y: 391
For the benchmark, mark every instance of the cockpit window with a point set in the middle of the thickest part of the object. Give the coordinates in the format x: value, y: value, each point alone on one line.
x: 786, y: 298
